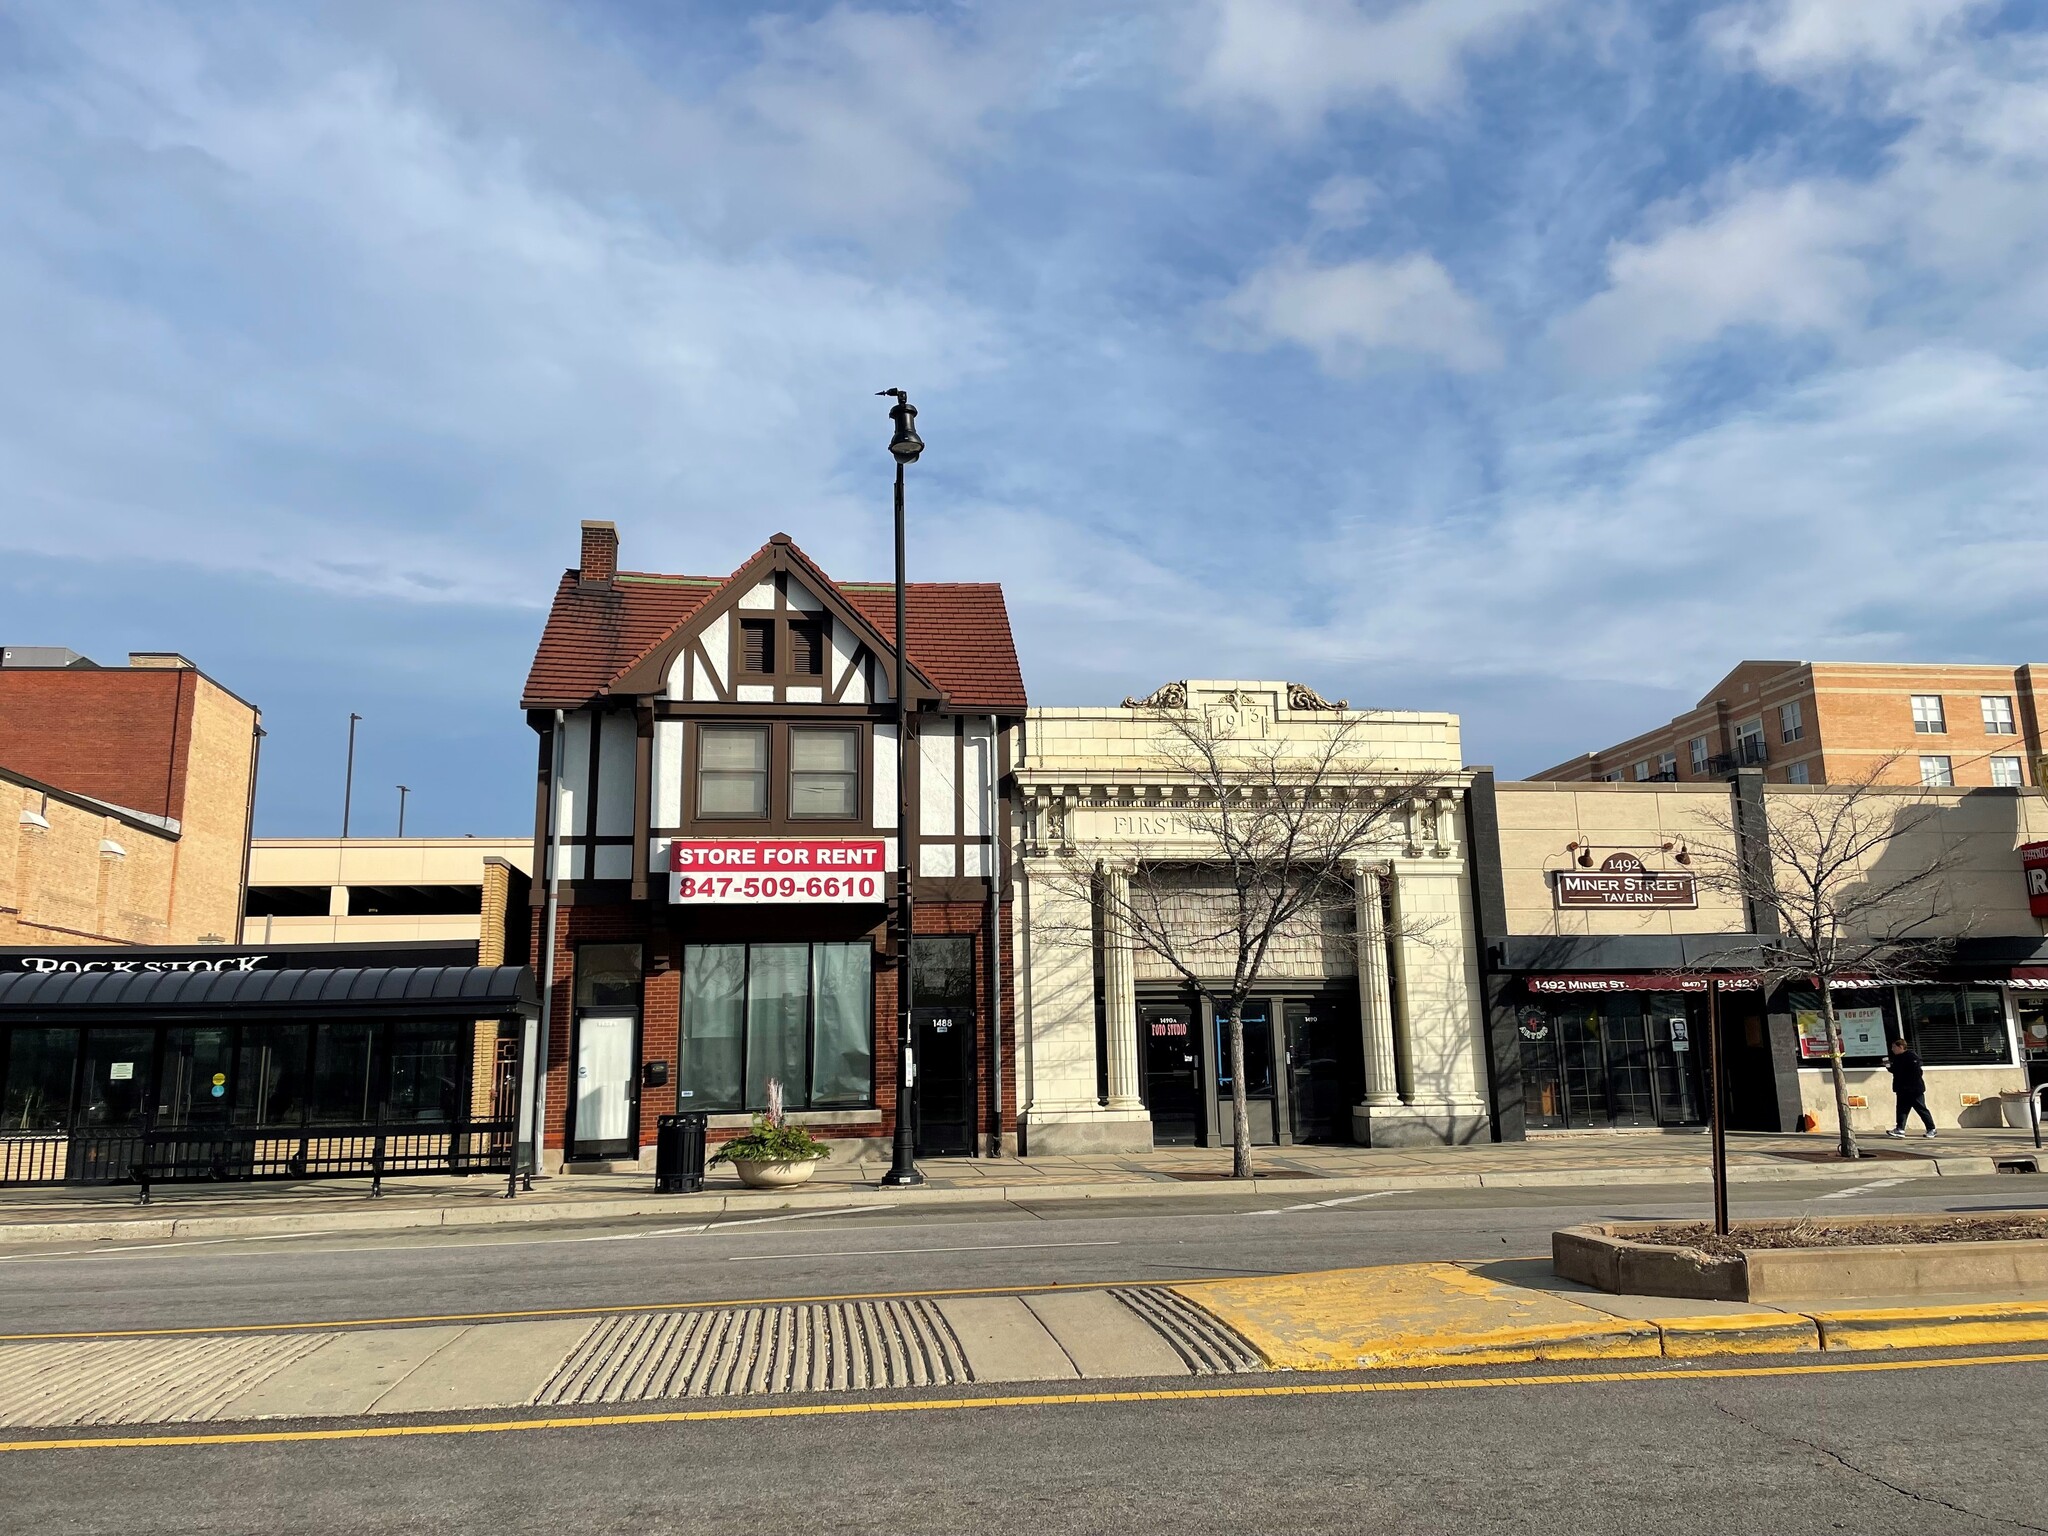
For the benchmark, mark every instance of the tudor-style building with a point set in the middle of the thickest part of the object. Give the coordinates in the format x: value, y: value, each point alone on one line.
x: 722, y: 758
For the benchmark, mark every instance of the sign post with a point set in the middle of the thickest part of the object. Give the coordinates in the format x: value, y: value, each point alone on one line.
x: 1719, y: 1128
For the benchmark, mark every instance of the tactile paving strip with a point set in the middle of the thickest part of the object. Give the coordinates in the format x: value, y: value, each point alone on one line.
x: 139, y: 1381
x: 801, y: 1347
x: 1209, y: 1346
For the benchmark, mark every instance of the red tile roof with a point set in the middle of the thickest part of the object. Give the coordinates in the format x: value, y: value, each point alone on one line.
x: 596, y: 631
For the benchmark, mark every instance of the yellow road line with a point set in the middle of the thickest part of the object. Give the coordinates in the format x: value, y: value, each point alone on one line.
x: 1036, y: 1400
x: 637, y: 1306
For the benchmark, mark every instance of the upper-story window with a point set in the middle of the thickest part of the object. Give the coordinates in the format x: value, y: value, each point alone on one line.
x: 1642, y: 770
x: 807, y: 648
x: 1791, y: 721
x: 1997, y: 714
x: 757, y: 647
x: 824, y: 771
x: 1797, y: 774
x: 1667, y: 765
x: 1749, y: 742
x: 1928, y: 719
x: 1699, y: 754
x: 1937, y: 772
x: 732, y: 770
x: 2007, y: 774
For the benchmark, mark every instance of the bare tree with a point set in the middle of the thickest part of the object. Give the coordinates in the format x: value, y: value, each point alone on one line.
x: 1848, y: 885
x: 1270, y: 832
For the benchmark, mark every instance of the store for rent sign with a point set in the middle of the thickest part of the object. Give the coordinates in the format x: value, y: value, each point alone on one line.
x: 752, y: 871
x: 1622, y: 880
x: 2034, y: 865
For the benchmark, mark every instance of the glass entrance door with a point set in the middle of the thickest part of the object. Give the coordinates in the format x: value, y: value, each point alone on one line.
x: 1173, y: 1073
x: 1325, y: 1067
x: 1258, y: 1074
x: 604, y: 1086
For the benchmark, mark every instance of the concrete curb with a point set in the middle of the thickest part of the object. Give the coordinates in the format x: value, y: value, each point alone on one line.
x: 685, y: 1208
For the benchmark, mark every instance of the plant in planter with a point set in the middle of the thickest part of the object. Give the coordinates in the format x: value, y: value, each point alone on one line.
x: 774, y: 1154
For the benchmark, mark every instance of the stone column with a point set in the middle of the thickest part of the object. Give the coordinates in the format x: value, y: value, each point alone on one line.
x: 1119, y: 988
x: 1375, y: 993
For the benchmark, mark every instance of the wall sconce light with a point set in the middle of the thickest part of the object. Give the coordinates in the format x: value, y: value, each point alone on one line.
x: 1584, y: 851
x: 1680, y: 855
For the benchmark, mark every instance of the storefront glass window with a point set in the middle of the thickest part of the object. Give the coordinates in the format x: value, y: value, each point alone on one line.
x: 714, y: 1003
x: 1957, y: 1026
x: 37, y: 1081
x: 778, y: 1008
x: 118, y: 1066
x: 1866, y: 1016
x: 270, y: 1074
x: 426, y: 1072
x: 803, y: 1013
x: 341, y: 1074
x: 843, y: 1036
x: 194, y: 1086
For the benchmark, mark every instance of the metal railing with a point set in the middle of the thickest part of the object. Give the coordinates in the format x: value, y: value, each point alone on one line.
x: 145, y: 1156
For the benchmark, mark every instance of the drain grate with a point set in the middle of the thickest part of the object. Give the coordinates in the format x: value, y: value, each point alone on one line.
x: 802, y: 1347
x: 1208, y: 1346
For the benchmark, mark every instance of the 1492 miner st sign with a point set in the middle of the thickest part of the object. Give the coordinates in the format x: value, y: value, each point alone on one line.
x: 1623, y: 881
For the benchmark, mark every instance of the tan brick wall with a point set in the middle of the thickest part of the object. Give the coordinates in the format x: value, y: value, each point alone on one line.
x: 58, y: 887
x: 214, y: 830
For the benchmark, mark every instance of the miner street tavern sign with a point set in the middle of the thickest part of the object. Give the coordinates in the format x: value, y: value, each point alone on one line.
x: 754, y: 870
x: 1622, y: 881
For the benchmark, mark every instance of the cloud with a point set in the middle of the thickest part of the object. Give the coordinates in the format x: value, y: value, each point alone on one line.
x: 1354, y: 313
x: 1792, y: 39
x: 1298, y: 60
x: 1784, y: 258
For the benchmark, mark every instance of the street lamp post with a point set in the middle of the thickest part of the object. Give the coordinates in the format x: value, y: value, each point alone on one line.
x: 905, y: 446
x: 348, y: 774
x: 403, y: 791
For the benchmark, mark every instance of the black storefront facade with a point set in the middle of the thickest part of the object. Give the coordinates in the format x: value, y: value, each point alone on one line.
x: 146, y: 1066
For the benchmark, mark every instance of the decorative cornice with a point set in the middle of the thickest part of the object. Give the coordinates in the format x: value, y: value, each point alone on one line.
x: 1301, y: 696
x: 1169, y: 696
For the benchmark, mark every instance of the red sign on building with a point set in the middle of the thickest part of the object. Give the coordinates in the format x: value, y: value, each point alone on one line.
x: 2034, y: 865
x: 749, y: 871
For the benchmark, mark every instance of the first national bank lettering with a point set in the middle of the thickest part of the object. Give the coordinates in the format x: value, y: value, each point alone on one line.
x: 721, y: 871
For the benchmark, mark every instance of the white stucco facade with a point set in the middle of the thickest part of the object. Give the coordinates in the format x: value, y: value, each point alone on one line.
x: 1098, y: 789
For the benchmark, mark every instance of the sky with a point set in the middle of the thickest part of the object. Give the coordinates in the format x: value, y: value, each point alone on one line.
x: 1531, y: 359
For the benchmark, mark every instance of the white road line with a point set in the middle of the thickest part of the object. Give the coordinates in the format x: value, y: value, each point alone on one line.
x: 865, y: 1253
x: 1858, y: 1189
x: 1322, y: 1205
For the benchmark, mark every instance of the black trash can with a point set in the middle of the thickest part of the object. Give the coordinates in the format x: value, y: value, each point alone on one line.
x: 679, y: 1154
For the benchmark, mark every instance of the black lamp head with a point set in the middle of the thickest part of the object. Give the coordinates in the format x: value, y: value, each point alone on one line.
x: 906, y: 445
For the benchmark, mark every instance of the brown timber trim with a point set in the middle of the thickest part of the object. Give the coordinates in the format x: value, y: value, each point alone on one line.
x: 643, y: 795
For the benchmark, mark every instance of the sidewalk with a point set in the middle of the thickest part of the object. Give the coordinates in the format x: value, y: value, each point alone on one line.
x: 49, y: 1214
x: 1405, y: 1316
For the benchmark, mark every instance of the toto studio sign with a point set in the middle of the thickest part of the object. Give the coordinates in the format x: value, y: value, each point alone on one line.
x: 748, y: 871
x: 1622, y: 881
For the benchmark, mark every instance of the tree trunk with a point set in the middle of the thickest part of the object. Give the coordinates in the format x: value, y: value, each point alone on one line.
x: 1240, y: 1111
x: 1849, y: 1149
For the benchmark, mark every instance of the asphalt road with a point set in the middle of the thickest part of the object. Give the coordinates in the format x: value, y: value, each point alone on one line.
x: 311, y: 1278
x: 1773, y: 1449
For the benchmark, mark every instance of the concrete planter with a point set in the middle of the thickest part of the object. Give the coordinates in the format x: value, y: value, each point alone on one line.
x: 1605, y: 1258
x: 782, y: 1174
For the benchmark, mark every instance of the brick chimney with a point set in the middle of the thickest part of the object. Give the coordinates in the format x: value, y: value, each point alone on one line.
x: 600, y: 552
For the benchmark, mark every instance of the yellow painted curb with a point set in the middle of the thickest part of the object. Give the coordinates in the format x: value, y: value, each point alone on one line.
x: 1738, y: 1333
x: 2022, y: 1322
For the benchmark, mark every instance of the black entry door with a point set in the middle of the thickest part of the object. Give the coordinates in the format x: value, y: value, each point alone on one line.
x: 1258, y: 1074
x: 945, y: 1081
x: 1325, y: 1067
x: 1173, y: 1073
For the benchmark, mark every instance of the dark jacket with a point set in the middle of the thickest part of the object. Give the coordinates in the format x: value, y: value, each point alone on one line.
x: 1907, y: 1080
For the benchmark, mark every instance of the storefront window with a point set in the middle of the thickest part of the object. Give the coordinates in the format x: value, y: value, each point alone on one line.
x: 1957, y: 1026
x: 802, y: 1013
x: 1625, y: 1059
x: 35, y: 1093
x: 426, y: 1071
x: 118, y: 1066
x: 341, y: 1074
x: 1866, y: 1016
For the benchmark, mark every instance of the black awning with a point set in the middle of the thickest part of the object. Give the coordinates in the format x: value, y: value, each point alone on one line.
x: 438, y: 991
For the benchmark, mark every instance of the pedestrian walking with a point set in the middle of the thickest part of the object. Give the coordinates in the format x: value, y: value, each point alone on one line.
x: 1909, y: 1088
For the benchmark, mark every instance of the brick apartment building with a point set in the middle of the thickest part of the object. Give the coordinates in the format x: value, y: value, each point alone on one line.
x: 1822, y: 722
x: 717, y: 781
x: 125, y: 799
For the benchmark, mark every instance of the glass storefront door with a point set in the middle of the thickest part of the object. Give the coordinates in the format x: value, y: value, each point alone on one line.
x: 1620, y: 1060
x: 1258, y: 1073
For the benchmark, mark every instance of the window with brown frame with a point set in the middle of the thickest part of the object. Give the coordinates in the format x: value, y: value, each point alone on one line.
x: 757, y: 646
x: 732, y: 771
x: 807, y: 648
x: 824, y: 772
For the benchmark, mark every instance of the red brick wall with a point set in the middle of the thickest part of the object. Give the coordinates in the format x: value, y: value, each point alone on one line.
x: 114, y: 734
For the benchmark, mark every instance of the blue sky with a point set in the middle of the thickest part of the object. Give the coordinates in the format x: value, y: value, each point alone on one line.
x: 1534, y: 359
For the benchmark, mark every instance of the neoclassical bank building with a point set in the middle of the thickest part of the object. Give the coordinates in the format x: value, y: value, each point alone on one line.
x: 1365, y: 1025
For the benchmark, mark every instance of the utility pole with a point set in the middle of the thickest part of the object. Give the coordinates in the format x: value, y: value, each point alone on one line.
x: 348, y: 778
x: 402, y: 793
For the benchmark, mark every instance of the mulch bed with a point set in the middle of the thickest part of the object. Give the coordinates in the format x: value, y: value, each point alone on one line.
x: 1826, y: 1234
